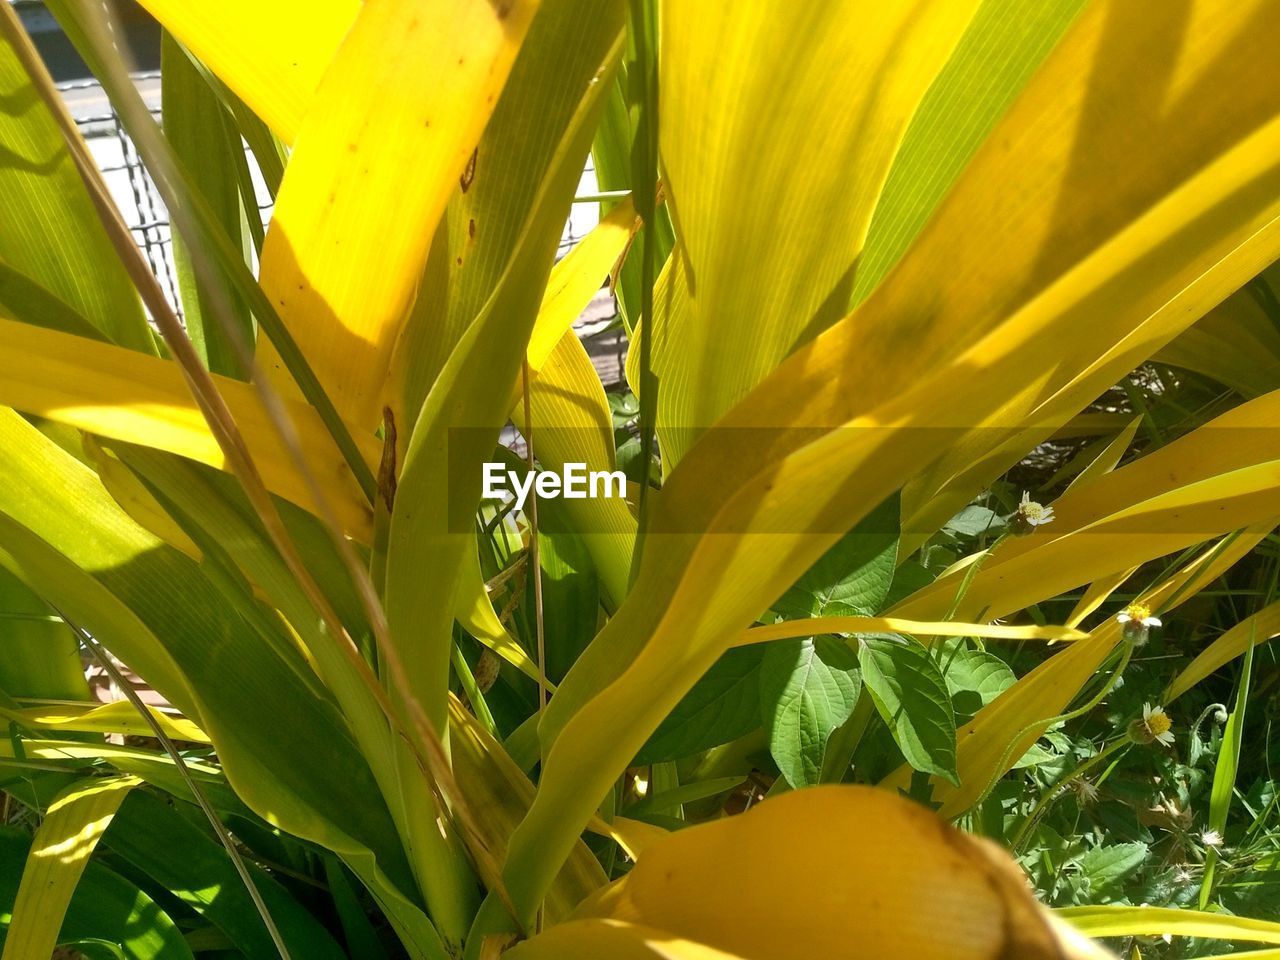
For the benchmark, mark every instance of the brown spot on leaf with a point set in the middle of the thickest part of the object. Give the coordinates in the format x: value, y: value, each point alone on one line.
x: 471, y: 228
x: 469, y: 173
x: 387, y: 466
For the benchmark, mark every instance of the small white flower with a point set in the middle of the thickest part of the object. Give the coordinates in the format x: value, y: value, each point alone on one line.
x: 1211, y: 838
x: 1136, y: 621
x: 1029, y: 515
x: 1156, y: 727
x: 1138, y: 613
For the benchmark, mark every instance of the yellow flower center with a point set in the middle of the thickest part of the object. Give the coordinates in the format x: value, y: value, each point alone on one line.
x: 1032, y: 511
x: 1138, y: 612
x: 1159, y: 723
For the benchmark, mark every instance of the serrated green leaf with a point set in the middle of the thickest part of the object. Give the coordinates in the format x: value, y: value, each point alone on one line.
x: 854, y: 576
x: 1107, y: 867
x: 912, y: 697
x: 808, y: 688
x: 975, y: 678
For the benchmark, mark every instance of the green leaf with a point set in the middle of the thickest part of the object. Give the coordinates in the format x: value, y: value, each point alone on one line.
x: 722, y: 706
x: 51, y: 233
x: 807, y: 689
x: 851, y: 579
x: 974, y: 679
x: 912, y: 697
x: 209, y: 147
x: 105, y: 906
x: 39, y: 655
x: 297, y: 765
x: 1107, y: 867
x: 184, y: 860
x: 60, y: 850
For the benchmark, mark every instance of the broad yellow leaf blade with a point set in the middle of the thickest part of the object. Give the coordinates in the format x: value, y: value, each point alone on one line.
x: 369, y: 179
x: 852, y: 871
x: 272, y: 55
x: 779, y: 126
x: 118, y: 393
x: 60, y: 851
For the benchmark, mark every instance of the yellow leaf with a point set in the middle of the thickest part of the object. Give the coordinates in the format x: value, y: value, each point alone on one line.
x: 1217, y: 478
x: 835, y: 871
x: 370, y: 177
x: 271, y: 54
x: 1257, y: 629
x: 937, y: 628
x: 1156, y: 921
x: 571, y: 419
x: 476, y: 614
x: 60, y: 850
x: 576, y: 278
x: 779, y: 126
x: 498, y: 794
x: 125, y: 395
x: 118, y: 717
x: 1237, y: 343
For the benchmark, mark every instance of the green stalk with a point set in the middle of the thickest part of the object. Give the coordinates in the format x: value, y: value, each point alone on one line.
x: 642, y: 31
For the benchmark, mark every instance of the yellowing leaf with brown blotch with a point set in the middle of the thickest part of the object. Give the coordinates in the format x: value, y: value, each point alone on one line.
x: 391, y: 130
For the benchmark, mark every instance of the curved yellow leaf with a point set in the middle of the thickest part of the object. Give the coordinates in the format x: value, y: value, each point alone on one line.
x: 272, y: 55
x: 125, y: 395
x: 576, y: 278
x: 1120, y: 921
x: 476, y: 614
x: 1217, y: 478
x: 370, y: 177
x: 118, y: 717
x: 835, y: 871
x: 60, y: 850
x: 571, y: 419
x: 1257, y: 629
x: 916, y: 628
